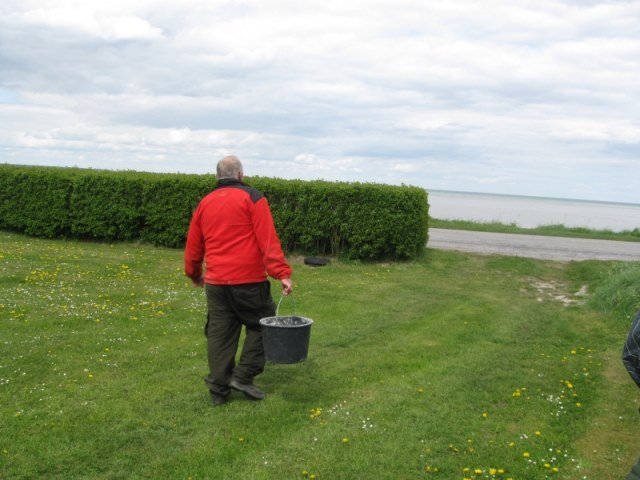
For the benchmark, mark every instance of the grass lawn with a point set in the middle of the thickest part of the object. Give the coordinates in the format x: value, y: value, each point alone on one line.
x: 449, y: 367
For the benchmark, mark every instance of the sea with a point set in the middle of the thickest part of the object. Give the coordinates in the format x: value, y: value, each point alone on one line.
x: 531, y: 212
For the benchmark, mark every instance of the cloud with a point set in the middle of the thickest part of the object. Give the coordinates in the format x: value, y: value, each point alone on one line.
x: 491, y: 95
x: 83, y: 20
x: 406, y: 167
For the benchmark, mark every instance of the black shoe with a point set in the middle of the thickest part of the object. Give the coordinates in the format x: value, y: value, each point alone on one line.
x: 248, y: 389
x: 217, y: 399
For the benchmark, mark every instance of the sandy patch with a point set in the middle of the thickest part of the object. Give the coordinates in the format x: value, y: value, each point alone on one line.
x: 559, y: 292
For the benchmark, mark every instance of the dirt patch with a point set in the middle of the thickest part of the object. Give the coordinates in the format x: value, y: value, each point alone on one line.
x: 559, y: 292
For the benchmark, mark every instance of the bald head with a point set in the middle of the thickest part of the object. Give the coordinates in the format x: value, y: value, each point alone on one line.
x: 230, y: 167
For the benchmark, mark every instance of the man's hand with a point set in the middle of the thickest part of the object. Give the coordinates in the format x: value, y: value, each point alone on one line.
x: 287, y: 286
x: 198, y: 282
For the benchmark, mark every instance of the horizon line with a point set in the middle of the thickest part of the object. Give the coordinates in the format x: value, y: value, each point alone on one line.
x: 538, y: 197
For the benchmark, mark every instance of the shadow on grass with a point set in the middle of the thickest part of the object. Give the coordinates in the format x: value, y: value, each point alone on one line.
x: 301, y: 383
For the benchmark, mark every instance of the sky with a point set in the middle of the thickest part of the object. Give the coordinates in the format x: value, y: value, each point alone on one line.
x: 529, y: 97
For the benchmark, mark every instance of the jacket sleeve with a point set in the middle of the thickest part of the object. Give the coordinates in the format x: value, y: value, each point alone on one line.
x: 631, y: 350
x: 268, y: 241
x: 194, y: 249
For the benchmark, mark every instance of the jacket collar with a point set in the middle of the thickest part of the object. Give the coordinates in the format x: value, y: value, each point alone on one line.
x: 228, y: 182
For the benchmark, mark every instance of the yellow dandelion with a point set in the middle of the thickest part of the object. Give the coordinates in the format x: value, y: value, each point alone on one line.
x: 345, y: 440
x: 485, y: 415
x: 526, y: 454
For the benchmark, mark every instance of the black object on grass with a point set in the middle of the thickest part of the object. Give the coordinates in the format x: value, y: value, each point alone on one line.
x: 317, y: 261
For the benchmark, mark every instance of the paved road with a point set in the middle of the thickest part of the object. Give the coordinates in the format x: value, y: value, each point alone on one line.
x: 533, y: 246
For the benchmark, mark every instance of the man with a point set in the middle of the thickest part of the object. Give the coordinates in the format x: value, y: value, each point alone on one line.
x: 232, y: 230
x: 631, y: 360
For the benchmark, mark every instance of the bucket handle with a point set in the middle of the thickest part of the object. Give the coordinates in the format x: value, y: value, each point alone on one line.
x: 280, y: 301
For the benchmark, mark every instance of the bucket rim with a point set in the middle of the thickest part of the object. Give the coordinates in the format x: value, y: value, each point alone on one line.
x: 307, y: 322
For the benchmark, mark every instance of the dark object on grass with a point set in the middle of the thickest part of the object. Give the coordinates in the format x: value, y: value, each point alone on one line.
x: 286, y: 339
x: 317, y: 261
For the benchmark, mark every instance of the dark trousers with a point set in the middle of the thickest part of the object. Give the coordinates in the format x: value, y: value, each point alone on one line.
x: 229, y: 307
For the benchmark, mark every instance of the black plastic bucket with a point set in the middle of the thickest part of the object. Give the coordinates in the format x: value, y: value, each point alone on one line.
x: 286, y: 339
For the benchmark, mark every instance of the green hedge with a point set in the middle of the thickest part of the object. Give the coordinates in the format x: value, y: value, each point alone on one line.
x: 168, y: 202
x: 107, y: 207
x: 354, y: 220
x: 36, y: 200
x: 365, y: 221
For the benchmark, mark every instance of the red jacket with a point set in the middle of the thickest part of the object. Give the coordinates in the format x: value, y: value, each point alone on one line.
x: 232, y: 230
